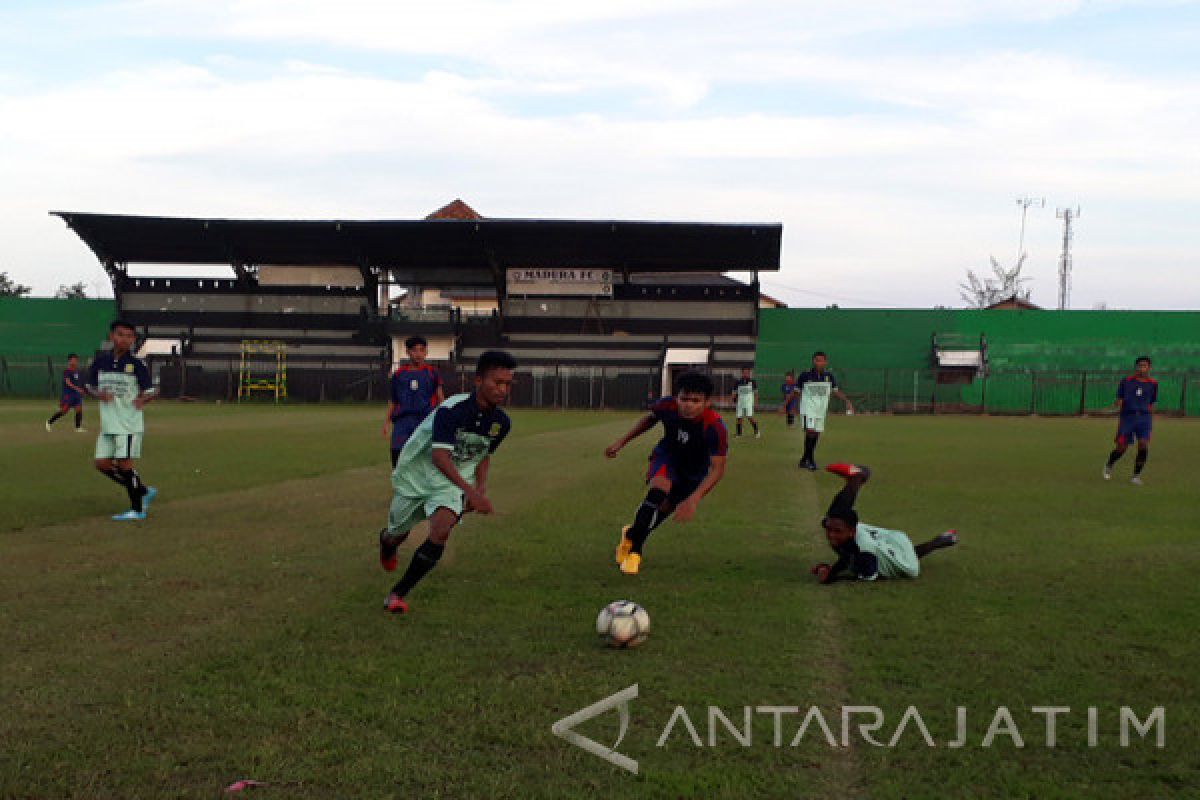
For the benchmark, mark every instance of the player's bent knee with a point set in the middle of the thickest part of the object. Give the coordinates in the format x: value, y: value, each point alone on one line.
x: 441, y: 524
x: 660, y: 482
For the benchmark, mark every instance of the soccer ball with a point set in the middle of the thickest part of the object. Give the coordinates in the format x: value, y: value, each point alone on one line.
x: 623, y: 623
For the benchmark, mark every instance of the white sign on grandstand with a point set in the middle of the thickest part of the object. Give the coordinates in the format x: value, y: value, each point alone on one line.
x: 585, y: 282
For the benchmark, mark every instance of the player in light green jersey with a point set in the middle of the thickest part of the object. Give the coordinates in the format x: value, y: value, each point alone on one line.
x: 868, y: 551
x: 122, y: 384
x: 745, y: 397
x: 442, y: 471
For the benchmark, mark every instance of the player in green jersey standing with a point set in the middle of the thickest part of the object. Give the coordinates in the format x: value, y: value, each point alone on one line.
x: 122, y: 384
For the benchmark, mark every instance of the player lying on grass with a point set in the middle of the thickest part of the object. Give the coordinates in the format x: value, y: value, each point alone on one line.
x: 868, y: 552
x: 685, y: 465
x: 443, y: 469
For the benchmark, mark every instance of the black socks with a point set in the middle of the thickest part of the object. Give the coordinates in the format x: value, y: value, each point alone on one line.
x: 647, y: 518
x: 133, y: 486
x: 810, y: 446
x: 424, y: 559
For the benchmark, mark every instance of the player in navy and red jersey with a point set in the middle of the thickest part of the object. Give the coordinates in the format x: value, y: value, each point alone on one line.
x: 791, y: 397
x: 685, y: 465
x: 72, y: 395
x: 1136, y: 396
x: 416, y: 391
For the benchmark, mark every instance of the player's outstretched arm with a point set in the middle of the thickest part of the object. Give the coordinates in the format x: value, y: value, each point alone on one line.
x: 445, y: 464
x: 687, y: 509
x: 828, y: 573
x: 838, y: 393
x: 644, y: 424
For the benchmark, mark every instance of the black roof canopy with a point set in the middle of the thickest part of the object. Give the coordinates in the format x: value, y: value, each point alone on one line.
x: 440, y: 251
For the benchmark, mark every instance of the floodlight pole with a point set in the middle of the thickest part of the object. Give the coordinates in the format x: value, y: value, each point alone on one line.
x: 1064, y: 260
x: 1025, y: 203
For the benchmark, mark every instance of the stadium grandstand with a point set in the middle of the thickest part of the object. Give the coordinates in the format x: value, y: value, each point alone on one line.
x: 599, y: 313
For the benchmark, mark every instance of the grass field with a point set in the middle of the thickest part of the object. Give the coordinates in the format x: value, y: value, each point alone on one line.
x: 238, y: 633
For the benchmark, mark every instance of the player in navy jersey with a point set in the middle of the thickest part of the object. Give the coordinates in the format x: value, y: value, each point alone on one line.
x: 791, y: 397
x: 416, y: 389
x: 1136, y: 396
x: 72, y: 395
x: 685, y: 465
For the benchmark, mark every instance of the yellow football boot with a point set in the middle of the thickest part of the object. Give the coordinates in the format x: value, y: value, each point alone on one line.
x: 631, y: 564
x: 625, y: 545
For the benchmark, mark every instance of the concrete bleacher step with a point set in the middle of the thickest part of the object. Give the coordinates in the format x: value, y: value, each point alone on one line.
x: 293, y: 348
x: 566, y: 356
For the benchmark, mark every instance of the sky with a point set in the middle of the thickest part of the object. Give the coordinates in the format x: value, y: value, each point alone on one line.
x: 892, y: 143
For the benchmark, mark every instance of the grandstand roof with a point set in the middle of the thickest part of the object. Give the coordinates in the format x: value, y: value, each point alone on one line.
x: 438, y: 251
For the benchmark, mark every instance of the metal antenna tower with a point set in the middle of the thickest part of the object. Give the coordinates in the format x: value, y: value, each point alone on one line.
x: 1064, y: 261
x: 1025, y: 203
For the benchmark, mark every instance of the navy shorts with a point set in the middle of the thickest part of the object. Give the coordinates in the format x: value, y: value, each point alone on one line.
x: 1133, y: 426
x: 403, y: 428
x: 682, y: 485
x: 70, y: 401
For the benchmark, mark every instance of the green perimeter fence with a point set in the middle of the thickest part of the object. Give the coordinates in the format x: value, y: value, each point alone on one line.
x: 1062, y: 393
x: 900, y: 391
x: 34, y: 376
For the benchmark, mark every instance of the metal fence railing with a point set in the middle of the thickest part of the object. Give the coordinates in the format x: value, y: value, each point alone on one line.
x: 33, y: 376
x: 901, y: 391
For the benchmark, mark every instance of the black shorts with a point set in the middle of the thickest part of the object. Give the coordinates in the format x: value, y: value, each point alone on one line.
x: 682, y: 486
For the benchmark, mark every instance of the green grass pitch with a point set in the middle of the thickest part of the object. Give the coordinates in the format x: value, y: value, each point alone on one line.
x: 238, y: 633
